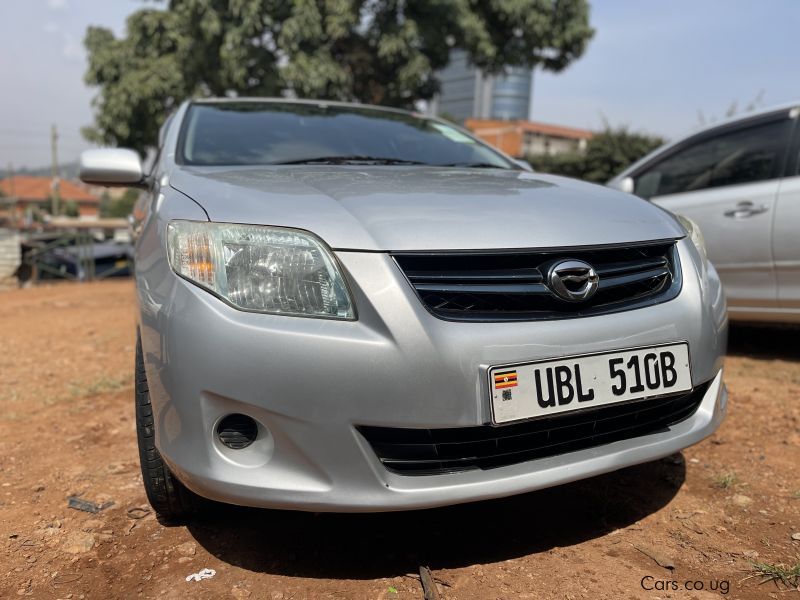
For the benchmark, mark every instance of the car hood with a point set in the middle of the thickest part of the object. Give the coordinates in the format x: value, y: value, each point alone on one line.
x: 425, y: 208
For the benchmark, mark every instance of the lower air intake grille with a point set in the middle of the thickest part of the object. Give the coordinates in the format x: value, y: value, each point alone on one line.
x: 237, y: 431
x: 437, y: 451
x: 511, y: 285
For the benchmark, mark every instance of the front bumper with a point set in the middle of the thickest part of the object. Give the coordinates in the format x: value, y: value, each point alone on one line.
x: 309, y: 382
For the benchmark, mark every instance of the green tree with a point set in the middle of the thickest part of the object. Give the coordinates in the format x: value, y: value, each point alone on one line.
x: 606, y: 154
x: 71, y: 209
x: 118, y: 208
x: 376, y: 51
x: 105, y: 203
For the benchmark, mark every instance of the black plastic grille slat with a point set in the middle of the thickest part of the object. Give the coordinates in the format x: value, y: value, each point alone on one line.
x: 510, y: 286
x: 484, y: 288
x: 435, y: 451
x: 631, y: 267
x: 237, y: 431
x: 531, y: 275
x: 626, y: 279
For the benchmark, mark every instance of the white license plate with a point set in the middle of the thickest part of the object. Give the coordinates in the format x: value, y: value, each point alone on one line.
x: 544, y: 388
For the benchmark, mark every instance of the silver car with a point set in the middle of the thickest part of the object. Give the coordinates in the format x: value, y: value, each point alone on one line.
x: 352, y: 308
x: 740, y: 181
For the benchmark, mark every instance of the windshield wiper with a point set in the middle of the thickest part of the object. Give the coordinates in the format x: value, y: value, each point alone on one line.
x: 341, y: 160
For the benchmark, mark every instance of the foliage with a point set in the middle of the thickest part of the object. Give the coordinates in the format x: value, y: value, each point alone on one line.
x: 71, y: 209
x: 606, y: 154
x: 376, y: 51
x: 66, y: 170
x: 725, y: 480
x: 789, y: 575
x: 118, y: 208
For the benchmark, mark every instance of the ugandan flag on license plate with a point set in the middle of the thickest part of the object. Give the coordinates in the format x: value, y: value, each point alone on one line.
x: 505, y: 379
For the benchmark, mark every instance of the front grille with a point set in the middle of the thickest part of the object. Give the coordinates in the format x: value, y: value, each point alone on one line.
x: 437, y: 451
x: 510, y: 285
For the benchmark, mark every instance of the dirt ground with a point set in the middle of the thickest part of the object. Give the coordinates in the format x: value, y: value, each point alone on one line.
x: 67, y: 428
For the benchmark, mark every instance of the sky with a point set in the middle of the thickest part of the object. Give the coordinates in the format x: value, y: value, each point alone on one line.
x: 658, y: 67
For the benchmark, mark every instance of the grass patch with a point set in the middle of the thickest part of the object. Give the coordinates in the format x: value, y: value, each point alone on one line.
x: 9, y: 395
x: 725, y: 481
x: 15, y: 416
x: 778, y: 573
x: 796, y: 495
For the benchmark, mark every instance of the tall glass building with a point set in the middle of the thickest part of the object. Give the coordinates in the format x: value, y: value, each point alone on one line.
x: 466, y: 92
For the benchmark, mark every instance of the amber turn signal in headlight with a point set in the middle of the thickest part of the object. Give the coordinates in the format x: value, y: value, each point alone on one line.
x: 261, y: 269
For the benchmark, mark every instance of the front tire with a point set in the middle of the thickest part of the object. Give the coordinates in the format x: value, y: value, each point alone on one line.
x: 168, y: 496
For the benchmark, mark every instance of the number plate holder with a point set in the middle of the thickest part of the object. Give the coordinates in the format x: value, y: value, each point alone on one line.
x: 543, y: 388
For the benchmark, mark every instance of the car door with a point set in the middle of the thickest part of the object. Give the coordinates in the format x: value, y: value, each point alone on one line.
x: 727, y: 180
x: 786, y: 231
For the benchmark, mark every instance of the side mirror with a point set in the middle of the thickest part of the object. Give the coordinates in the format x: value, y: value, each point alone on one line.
x: 623, y: 185
x: 111, y: 167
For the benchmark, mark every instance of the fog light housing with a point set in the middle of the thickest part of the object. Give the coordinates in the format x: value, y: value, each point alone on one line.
x: 237, y: 431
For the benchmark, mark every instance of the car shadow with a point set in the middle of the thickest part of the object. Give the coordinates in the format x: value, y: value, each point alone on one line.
x: 368, y: 546
x: 764, y: 341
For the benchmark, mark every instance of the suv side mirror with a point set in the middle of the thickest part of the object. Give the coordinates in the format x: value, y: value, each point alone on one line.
x: 111, y: 167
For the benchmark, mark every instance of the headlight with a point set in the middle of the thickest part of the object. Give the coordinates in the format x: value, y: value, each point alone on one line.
x: 694, y: 233
x: 261, y: 269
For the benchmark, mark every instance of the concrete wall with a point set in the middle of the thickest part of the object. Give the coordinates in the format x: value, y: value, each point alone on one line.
x: 510, y: 137
x: 537, y: 143
x: 10, y: 256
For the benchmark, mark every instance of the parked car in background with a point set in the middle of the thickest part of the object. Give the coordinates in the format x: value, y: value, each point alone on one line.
x: 353, y: 308
x: 740, y: 182
x: 56, y: 256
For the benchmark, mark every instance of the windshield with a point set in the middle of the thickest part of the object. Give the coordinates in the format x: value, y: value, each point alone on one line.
x: 264, y: 133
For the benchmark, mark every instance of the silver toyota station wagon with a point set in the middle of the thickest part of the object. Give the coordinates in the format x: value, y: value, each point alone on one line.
x: 351, y: 308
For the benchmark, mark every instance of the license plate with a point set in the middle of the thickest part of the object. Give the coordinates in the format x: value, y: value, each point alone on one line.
x: 545, y: 388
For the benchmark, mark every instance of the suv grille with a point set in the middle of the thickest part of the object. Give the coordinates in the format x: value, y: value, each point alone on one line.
x: 437, y: 451
x: 510, y: 285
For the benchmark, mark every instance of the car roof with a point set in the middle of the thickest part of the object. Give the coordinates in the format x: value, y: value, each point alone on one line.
x: 750, y: 114
x: 754, y: 115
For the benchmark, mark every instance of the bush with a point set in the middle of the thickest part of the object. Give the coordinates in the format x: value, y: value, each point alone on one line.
x: 119, y: 208
x: 607, y: 153
x: 71, y: 209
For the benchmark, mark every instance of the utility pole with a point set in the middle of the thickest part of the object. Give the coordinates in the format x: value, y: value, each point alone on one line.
x: 12, y: 191
x: 11, y: 185
x: 54, y: 199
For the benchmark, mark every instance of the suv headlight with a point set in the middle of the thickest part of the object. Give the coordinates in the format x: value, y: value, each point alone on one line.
x: 262, y: 269
x: 694, y: 233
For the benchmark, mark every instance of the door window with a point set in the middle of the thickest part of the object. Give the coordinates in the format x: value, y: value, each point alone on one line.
x: 740, y: 156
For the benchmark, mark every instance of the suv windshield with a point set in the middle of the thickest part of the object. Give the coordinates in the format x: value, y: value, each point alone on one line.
x: 271, y: 133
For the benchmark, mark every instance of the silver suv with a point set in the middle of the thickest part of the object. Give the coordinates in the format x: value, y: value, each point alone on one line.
x: 350, y: 308
x: 740, y: 181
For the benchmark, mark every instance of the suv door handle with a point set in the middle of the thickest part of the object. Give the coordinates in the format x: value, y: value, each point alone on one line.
x: 745, y: 209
